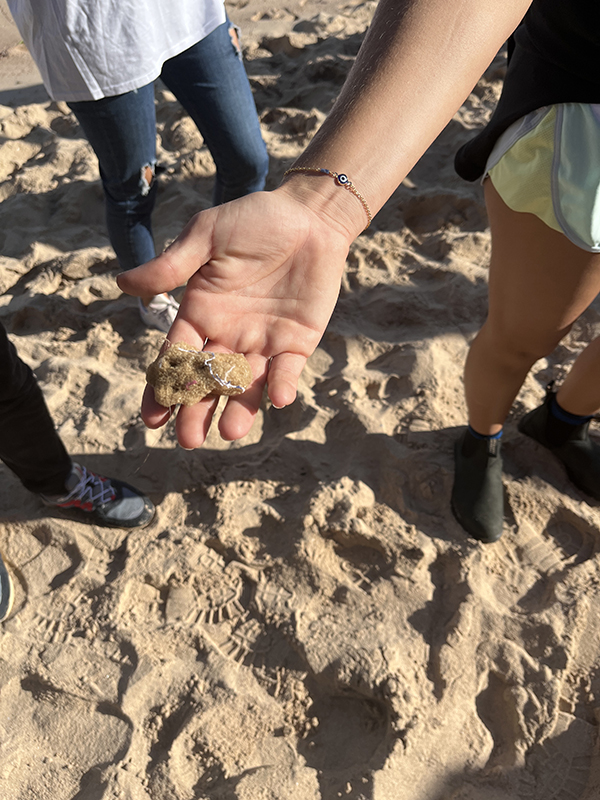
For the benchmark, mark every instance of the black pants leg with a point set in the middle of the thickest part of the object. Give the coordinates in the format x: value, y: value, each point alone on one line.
x: 29, y: 443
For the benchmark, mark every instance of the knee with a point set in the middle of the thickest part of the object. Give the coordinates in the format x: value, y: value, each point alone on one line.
x: 517, y: 346
x: 234, y: 35
x: 252, y: 163
x: 261, y: 165
x: 137, y: 187
x: 249, y: 176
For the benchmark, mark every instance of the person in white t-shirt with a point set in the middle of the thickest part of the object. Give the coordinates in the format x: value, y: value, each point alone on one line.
x: 102, y: 59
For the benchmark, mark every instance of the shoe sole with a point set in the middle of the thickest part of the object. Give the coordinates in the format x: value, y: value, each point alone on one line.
x: 79, y: 515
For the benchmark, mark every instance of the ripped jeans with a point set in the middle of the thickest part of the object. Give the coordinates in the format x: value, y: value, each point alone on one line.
x: 210, y: 82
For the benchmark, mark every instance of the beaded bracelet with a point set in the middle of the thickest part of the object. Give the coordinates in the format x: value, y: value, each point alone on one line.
x: 340, y: 179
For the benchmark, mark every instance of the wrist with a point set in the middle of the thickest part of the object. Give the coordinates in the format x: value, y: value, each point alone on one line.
x: 331, y: 196
x: 340, y: 179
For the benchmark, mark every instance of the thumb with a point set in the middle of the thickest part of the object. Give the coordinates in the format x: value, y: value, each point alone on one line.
x: 177, y: 264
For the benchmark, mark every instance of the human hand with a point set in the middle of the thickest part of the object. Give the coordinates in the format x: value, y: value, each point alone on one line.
x: 263, y: 275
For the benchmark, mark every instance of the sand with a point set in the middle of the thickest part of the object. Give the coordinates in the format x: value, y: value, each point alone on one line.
x: 304, y: 619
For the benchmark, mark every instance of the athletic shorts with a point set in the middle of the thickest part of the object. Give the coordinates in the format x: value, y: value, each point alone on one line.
x: 548, y: 164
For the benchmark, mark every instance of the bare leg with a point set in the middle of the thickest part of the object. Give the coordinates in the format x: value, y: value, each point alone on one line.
x: 539, y: 284
x: 580, y: 392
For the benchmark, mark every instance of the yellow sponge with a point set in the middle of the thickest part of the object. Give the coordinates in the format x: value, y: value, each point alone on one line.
x: 183, y: 374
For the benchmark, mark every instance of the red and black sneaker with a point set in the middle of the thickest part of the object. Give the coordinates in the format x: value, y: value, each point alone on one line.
x: 103, y: 501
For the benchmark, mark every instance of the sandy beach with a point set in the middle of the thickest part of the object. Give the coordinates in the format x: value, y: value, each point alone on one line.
x: 305, y: 619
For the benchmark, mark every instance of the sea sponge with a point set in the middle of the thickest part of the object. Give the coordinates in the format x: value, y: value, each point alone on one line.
x: 183, y: 374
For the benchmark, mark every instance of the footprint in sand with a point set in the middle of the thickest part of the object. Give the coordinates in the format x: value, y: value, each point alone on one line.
x: 55, y: 561
x: 559, y: 767
x: 91, y: 736
x: 214, y: 596
x: 567, y: 540
x: 246, y: 644
x: 348, y: 735
x: 342, y: 513
x: 254, y: 639
x: 197, y: 749
x: 52, y: 630
x: 364, y: 565
x: 533, y: 560
x: 236, y: 608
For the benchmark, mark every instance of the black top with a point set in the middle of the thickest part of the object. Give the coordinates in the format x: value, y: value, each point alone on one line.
x: 552, y: 58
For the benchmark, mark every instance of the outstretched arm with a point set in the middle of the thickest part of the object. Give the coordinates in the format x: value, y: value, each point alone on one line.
x: 264, y: 272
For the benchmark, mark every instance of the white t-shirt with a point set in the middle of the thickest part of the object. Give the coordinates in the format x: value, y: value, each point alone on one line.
x: 89, y: 49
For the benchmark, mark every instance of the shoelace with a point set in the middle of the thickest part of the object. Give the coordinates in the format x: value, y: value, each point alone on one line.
x: 91, y: 488
x: 167, y: 313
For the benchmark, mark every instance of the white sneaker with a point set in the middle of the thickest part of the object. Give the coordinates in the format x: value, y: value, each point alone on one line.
x: 160, y: 312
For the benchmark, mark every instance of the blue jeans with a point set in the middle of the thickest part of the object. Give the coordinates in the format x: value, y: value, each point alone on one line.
x: 210, y: 82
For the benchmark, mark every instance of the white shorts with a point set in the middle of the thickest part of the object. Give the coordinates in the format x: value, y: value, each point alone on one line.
x: 548, y: 164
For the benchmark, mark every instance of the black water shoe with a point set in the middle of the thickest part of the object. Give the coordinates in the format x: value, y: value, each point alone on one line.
x: 477, y: 494
x: 571, y: 444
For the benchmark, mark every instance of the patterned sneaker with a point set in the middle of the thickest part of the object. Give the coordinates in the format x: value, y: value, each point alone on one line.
x: 103, y: 501
x: 160, y: 312
x: 6, y: 592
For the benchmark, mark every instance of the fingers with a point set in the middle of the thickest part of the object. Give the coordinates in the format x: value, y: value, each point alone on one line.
x: 240, y: 412
x: 193, y: 422
x: 162, y: 274
x: 183, y: 331
x: 284, y: 374
x: 153, y: 414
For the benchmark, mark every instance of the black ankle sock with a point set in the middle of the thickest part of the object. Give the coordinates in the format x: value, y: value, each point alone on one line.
x: 476, y: 435
x: 565, y: 416
x: 474, y: 443
x: 561, y: 424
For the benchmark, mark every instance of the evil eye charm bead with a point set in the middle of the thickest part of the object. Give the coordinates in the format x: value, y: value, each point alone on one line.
x: 340, y: 179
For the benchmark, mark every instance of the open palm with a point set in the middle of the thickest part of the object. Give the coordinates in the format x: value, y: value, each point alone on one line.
x: 263, y: 275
